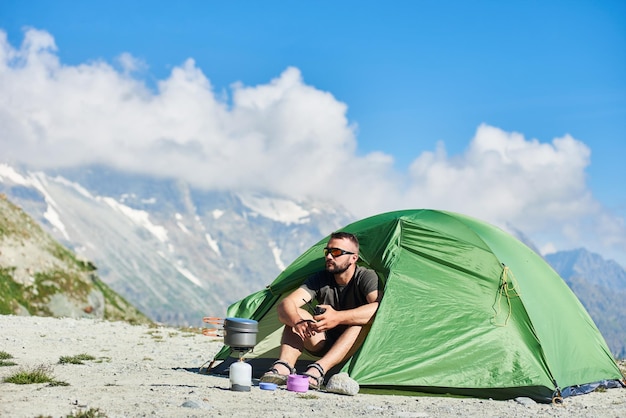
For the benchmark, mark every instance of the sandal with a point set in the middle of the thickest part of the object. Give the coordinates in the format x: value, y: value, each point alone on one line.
x: 319, y: 380
x: 272, y: 376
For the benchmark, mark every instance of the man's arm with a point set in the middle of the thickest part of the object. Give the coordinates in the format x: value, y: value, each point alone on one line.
x: 289, y: 309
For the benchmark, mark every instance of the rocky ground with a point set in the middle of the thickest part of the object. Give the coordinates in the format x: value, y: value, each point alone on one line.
x: 140, y: 371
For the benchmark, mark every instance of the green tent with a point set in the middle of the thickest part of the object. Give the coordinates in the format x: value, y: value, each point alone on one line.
x: 467, y: 310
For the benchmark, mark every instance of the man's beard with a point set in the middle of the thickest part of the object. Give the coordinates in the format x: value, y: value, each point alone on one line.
x: 336, y: 269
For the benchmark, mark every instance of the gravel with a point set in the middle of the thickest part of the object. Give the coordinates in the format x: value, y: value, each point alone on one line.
x: 143, y: 371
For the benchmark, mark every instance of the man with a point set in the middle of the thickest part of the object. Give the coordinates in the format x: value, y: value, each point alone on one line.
x: 348, y: 294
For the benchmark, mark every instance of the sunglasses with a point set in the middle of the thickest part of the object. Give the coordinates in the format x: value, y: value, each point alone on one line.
x: 335, y: 252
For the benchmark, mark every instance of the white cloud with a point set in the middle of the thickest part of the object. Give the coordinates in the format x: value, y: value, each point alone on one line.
x: 503, y: 175
x: 540, y: 188
x: 548, y: 248
x: 286, y: 137
x: 130, y: 64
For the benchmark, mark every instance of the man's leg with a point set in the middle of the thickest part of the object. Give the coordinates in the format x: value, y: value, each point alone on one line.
x: 292, y: 345
x: 346, y: 345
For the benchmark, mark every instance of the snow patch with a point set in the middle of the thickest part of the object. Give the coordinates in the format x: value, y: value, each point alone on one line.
x: 217, y: 213
x: 80, y: 189
x: 53, y: 217
x: 189, y: 275
x: 7, y: 172
x: 38, y: 181
x: 279, y: 210
x: 183, y: 227
x: 140, y: 217
x: 180, y: 224
x: 212, y: 243
x: 277, y: 252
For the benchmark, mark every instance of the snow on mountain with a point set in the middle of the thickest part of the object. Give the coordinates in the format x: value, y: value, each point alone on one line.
x: 76, y: 186
x: 7, y: 173
x: 181, y: 225
x: 212, y: 243
x: 276, y: 209
x: 38, y: 182
x: 277, y: 252
x: 140, y: 217
x: 189, y: 275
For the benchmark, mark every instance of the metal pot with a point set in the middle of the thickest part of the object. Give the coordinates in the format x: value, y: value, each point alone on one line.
x: 240, y: 333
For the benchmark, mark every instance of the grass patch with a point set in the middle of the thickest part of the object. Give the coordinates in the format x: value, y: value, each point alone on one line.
x: 5, y: 356
x: 35, y: 297
x: 77, y: 359
x: 4, y: 359
x: 56, y: 281
x: 308, y: 396
x: 90, y: 413
x: 11, y: 293
x: 40, y: 374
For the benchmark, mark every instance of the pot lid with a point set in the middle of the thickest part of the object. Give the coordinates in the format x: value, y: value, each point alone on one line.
x: 241, y: 325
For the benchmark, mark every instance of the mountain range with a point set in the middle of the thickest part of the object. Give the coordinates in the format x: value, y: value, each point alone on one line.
x: 175, y: 252
x: 179, y: 253
x: 601, y: 287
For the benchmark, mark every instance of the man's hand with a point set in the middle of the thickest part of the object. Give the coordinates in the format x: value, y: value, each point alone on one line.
x: 328, y: 320
x: 304, y: 329
x: 361, y: 315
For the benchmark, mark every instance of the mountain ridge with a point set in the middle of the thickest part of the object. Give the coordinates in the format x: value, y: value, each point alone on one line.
x: 584, y: 263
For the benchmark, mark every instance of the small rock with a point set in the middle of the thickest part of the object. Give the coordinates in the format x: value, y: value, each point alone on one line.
x: 343, y: 384
x: 525, y: 401
x: 195, y: 405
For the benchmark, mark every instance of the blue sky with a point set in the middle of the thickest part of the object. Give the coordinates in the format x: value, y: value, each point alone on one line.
x: 415, y: 79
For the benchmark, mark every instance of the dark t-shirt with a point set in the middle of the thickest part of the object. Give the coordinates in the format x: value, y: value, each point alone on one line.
x: 323, y: 288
